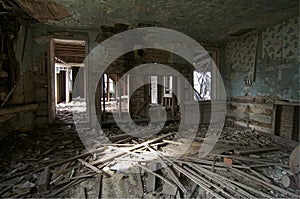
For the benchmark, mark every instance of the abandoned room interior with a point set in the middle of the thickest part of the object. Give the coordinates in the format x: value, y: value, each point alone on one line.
x: 149, y: 99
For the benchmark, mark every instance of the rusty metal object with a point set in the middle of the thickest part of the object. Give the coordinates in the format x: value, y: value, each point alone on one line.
x: 295, y: 160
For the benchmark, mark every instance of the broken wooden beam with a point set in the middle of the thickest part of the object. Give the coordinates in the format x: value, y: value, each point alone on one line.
x: 74, y: 158
x: 43, y: 180
x: 82, y: 193
x: 74, y: 182
x: 210, y: 184
x: 169, y: 170
x: 117, y: 138
x: 151, y: 179
x: 232, y: 184
x: 270, y: 185
x: 99, y: 186
x: 257, y: 150
x: 90, y: 166
x: 157, y: 175
x: 106, y: 159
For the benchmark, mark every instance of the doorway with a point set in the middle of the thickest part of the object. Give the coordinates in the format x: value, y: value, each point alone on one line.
x: 66, y: 58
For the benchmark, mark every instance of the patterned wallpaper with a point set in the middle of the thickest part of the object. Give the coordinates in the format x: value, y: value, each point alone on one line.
x: 281, y: 42
x: 271, y: 56
x: 241, y: 55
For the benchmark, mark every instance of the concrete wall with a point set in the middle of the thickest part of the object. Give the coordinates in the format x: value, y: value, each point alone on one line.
x: 271, y: 55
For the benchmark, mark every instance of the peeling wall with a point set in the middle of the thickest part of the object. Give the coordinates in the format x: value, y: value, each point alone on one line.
x: 269, y: 57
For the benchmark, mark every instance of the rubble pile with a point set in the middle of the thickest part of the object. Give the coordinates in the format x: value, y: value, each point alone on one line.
x: 243, y: 164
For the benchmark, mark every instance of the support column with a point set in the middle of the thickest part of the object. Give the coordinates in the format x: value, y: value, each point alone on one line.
x: 108, y: 88
x: 103, y: 96
x: 120, y: 95
x: 67, y: 85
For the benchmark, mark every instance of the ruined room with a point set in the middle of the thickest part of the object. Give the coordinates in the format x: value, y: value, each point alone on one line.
x: 149, y: 99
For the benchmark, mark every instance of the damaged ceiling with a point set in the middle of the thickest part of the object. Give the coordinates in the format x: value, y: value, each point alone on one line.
x: 39, y: 10
x: 43, y: 10
x: 205, y: 20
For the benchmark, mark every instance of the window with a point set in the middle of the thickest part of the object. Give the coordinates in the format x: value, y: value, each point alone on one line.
x: 168, y: 86
x: 202, y: 85
x: 154, y: 89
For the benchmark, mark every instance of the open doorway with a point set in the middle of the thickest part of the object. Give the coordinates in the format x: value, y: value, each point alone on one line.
x: 67, y: 57
x: 114, y: 99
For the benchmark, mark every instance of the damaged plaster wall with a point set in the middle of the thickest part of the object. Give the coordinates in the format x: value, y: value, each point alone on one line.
x: 276, y: 62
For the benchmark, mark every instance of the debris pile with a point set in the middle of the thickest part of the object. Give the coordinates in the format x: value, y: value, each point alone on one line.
x: 64, y: 111
x: 243, y: 164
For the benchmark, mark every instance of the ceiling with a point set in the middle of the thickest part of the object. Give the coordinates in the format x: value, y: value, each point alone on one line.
x: 203, y: 20
x: 70, y: 51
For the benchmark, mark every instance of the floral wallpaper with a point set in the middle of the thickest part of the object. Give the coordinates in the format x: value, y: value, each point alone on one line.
x: 281, y: 42
x: 269, y: 58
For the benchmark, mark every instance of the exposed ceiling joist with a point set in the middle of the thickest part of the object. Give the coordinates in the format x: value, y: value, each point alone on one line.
x: 43, y: 10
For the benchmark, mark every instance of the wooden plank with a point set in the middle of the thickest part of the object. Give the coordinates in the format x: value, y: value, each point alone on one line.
x: 211, y: 184
x: 283, y: 103
x: 263, y: 118
x: 278, y: 112
x: 74, y: 158
x: 191, y: 192
x: 260, y: 129
x: 268, y: 106
x: 197, y: 181
x: 169, y: 190
x: 169, y: 171
x: 260, y: 175
x: 253, y: 160
x: 82, y: 176
x: 90, y: 166
x: 82, y: 193
x: 244, y: 174
x: 18, y: 109
x: 228, y: 180
x: 296, y: 124
x: 140, y: 188
x: 99, y: 187
x: 157, y: 175
x: 106, y: 159
x: 3, y: 191
x: 43, y: 180
x: 151, y: 179
x: 64, y: 188
x: 257, y: 150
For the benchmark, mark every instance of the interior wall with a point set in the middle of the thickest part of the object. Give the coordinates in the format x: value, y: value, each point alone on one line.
x: 258, y: 71
x: 271, y: 55
x: 17, y: 78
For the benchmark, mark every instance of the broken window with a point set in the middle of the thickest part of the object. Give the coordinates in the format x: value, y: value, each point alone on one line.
x: 202, y: 85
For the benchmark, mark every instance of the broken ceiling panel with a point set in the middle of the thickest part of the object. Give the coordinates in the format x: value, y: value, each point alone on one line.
x: 43, y: 10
